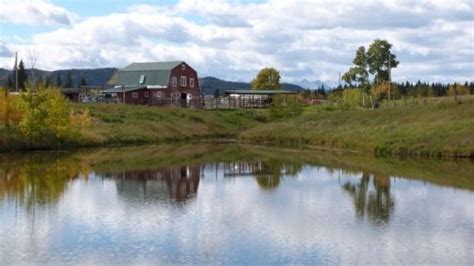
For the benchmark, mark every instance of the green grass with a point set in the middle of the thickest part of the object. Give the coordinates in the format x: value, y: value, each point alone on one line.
x: 441, y: 128
x: 437, y: 127
x: 127, y: 124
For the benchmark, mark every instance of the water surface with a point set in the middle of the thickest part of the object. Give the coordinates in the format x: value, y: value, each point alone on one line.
x: 233, y: 204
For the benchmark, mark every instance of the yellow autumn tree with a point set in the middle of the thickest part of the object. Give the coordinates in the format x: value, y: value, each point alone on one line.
x: 267, y: 79
x: 457, y: 89
x: 9, y: 114
x: 47, y: 117
x: 382, y: 89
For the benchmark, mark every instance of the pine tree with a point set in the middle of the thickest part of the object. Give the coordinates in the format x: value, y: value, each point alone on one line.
x: 68, y: 83
x: 82, y: 82
x: 59, y: 81
x: 9, y: 83
x: 47, y: 84
x: 22, y: 77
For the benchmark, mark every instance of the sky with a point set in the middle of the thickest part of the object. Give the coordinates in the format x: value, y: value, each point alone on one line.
x: 233, y: 40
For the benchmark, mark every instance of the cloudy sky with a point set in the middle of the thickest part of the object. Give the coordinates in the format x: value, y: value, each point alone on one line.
x: 230, y: 39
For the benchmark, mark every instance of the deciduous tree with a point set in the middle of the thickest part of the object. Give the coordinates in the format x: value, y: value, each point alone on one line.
x: 378, y: 56
x: 267, y: 79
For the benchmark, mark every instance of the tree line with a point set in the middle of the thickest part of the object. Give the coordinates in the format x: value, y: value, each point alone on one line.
x: 58, y: 81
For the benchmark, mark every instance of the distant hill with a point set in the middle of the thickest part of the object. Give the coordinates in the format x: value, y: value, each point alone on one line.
x: 93, y: 77
x: 210, y: 84
x: 103, y: 76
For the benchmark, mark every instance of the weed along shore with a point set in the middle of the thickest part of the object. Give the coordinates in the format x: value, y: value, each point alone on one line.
x: 442, y: 128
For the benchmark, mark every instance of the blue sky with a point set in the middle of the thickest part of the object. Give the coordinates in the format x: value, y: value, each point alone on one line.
x: 304, y: 39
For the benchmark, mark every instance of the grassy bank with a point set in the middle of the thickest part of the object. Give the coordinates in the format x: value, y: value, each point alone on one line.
x: 441, y: 128
x: 127, y: 124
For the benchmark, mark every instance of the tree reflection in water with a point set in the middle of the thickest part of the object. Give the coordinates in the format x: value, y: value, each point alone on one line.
x: 268, y: 173
x: 376, y: 203
x: 38, y: 179
x: 179, y: 183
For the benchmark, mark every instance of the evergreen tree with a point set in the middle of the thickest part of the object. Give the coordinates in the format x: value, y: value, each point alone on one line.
x: 323, y: 92
x: 22, y: 77
x: 82, y: 82
x: 68, y: 83
x: 59, y: 82
x: 47, y: 84
x: 216, y: 93
x: 10, y: 83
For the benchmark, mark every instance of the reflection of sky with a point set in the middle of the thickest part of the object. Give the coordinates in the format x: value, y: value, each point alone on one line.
x: 307, y: 219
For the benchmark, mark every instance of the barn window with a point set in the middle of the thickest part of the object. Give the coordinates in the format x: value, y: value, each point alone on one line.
x: 174, y: 81
x: 142, y: 79
x: 158, y: 94
x: 183, y: 67
x: 134, y: 95
x: 146, y: 94
x: 182, y: 81
x: 191, y: 82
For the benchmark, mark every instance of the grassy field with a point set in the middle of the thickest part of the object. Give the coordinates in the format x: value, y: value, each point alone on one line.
x: 127, y: 124
x: 440, y: 127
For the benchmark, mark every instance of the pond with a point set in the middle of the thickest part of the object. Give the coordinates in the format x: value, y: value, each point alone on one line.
x: 233, y: 204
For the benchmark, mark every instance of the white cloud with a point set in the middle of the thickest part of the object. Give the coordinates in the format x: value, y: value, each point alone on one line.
x: 434, y: 40
x: 4, y: 51
x: 37, y: 12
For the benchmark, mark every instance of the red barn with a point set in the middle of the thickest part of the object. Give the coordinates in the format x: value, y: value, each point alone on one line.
x: 158, y: 83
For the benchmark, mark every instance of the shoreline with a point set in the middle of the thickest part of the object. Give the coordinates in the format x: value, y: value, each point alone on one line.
x: 438, y: 130
x: 236, y: 141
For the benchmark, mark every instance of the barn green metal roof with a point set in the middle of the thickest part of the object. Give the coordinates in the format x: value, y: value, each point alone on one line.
x: 148, y: 66
x: 156, y: 73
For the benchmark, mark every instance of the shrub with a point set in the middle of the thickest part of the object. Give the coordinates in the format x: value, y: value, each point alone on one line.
x: 41, y: 118
x: 283, y: 107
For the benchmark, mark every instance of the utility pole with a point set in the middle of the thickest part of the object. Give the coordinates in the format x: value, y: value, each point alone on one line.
x: 16, y: 71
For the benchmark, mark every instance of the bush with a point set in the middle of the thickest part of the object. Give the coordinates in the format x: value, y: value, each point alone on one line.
x: 284, y: 107
x: 42, y: 118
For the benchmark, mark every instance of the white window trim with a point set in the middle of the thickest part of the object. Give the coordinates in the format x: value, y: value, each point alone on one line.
x: 183, y: 67
x: 146, y: 94
x: 158, y: 94
x: 182, y: 81
x: 134, y: 95
x: 174, y: 81
x: 191, y: 82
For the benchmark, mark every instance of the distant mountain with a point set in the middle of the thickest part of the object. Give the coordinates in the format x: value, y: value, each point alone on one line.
x: 93, y: 77
x: 312, y: 84
x: 210, y: 84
